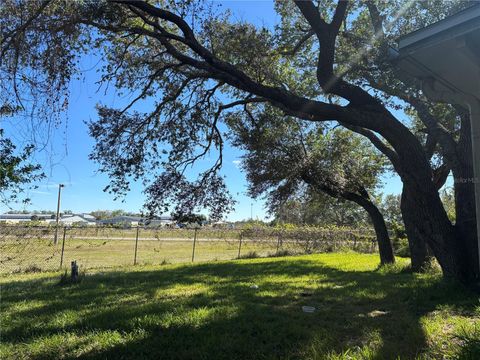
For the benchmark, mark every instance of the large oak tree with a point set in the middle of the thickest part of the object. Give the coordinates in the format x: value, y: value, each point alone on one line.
x: 324, y: 62
x: 286, y: 157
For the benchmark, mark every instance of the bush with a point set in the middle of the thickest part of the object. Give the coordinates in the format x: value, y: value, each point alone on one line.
x: 312, y: 239
x: 400, y: 247
x: 249, y: 255
x: 32, y: 269
x: 393, y: 268
x: 431, y: 266
x: 281, y: 253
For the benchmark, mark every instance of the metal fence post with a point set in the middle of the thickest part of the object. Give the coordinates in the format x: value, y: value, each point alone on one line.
x: 194, y: 241
x: 240, y: 246
x: 136, y: 246
x: 63, y: 245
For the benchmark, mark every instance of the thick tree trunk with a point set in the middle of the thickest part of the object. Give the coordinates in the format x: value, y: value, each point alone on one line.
x: 418, y: 247
x: 423, y: 215
x: 384, y: 244
x: 426, y: 213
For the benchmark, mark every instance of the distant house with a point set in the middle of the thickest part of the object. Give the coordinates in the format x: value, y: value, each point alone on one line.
x: 126, y: 220
x: 89, y: 217
x: 223, y: 224
x: 160, y: 221
x: 19, y: 218
x: 87, y: 220
x: 122, y: 220
x: 76, y: 220
x: 49, y: 219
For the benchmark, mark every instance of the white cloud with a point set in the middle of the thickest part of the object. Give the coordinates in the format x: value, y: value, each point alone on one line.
x: 237, y: 163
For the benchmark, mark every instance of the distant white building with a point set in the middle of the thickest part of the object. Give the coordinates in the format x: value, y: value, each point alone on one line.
x: 19, y: 218
x: 161, y: 221
x: 223, y: 224
x: 86, y: 220
x: 76, y: 220
x: 126, y: 220
x: 122, y: 220
x: 49, y: 219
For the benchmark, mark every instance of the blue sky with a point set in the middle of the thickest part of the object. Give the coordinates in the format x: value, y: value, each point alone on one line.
x: 71, y: 144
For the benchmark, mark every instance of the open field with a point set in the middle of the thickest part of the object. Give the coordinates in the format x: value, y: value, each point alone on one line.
x: 91, y: 254
x: 33, y: 249
x: 210, y: 311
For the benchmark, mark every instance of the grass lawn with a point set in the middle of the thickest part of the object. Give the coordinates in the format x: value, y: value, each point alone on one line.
x: 30, y: 249
x: 42, y: 255
x: 210, y: 311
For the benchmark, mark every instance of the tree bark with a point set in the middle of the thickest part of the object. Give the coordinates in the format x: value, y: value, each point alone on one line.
x: 417, y: 244
x: 423, y: 215
x: 426, y: 212
x: 384, y: 244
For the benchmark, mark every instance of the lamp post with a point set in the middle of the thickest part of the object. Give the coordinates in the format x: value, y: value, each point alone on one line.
x: 60, y: 186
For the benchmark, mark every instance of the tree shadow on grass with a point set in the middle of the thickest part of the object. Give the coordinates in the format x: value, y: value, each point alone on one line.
x: 209, y: 311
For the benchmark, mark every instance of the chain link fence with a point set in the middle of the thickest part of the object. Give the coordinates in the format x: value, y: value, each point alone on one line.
x: 32, y: 248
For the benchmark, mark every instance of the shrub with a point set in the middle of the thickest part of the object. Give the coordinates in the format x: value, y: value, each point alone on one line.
x: 32, y: 269
x: 400, y: 247
x: 249, y: 255
x: 281, y: 253
x: 393, y: 268
x: 431, y: 266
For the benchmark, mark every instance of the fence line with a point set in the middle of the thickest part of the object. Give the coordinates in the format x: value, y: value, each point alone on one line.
x: 32, y: 248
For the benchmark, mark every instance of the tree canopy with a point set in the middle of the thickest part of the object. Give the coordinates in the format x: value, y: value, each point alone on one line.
x: 283, y: 155
x: 17, y: 173
x: 319, y: 209
x: 324, y: 62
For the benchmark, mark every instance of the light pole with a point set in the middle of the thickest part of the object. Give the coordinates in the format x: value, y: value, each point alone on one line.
x: 251, y: 211
x: 60, y: 186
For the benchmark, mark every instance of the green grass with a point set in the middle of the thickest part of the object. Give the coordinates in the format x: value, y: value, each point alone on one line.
x: 42, y: 255
x: 29, y: 249
x: 210, y: 311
